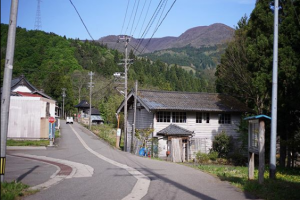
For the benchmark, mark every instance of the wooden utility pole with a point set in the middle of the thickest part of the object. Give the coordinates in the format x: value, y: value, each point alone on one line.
x: 127, y: 39
x: 6, y: 89
x: 134, y: 115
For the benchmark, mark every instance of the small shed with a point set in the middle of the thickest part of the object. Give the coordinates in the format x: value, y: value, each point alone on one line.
x: 178, y: 142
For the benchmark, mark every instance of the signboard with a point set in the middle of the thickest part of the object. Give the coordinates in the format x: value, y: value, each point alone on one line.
x: 118, y: 132
x: 51, y: 120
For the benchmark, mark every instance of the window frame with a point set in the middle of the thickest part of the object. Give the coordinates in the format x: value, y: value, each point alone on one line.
x: 202, y: 117
x: 178, y: 117
x: 224, y: 118
x: 163, y: 116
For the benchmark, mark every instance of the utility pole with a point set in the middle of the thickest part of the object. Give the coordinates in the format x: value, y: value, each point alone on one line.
x: 6, y: 89
x: 134, y: 115
x: 274, y: 96
x: 91, y: 85
x: 127, y: 39
x: 63, y: 95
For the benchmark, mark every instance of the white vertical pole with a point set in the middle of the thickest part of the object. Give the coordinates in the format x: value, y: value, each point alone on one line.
x: 274, y: 96
x: 6, y: 89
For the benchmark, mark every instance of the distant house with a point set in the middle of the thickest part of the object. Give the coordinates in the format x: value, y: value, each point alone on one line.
x: 84, y: 113
x: 29, y: 111
x: 183, y: 123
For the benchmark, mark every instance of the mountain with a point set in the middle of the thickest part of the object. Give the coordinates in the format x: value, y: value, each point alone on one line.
x: 195, y: 37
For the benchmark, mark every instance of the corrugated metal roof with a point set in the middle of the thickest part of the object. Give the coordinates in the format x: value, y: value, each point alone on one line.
x: 187, y: 101
x: 173, y: 129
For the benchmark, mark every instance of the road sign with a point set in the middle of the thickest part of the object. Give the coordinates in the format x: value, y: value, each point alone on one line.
x: 51, y: 120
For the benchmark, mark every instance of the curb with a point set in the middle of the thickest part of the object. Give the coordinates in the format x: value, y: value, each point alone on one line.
x: 25, y: 148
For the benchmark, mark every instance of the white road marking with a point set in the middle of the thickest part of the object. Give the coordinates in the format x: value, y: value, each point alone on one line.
x: 78, y: 170
x: 143, y: 182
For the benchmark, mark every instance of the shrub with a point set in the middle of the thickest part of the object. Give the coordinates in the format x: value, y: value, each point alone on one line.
x: 202, y: 157
x: 238, y: 159
x: 222, y: 144
x: 213, y: 155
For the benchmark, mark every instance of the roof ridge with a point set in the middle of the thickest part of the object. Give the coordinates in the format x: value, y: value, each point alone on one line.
x: 166, y: 91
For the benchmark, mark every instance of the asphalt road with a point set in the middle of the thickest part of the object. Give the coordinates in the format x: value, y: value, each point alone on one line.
x: 109, y: 181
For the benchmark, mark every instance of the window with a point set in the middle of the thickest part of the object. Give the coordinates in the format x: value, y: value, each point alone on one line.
x: 202, y: 117
x: 179, y: 117
x: 163, y: 116
x: 47, y: 109
x: 224, y: 119
x: 199, y: 117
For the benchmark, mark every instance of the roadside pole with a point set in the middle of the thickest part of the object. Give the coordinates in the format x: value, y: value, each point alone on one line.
x: 274, y: 96
x: 5, y: 99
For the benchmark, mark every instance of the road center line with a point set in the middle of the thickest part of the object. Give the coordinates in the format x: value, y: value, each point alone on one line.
x: 143, y: 182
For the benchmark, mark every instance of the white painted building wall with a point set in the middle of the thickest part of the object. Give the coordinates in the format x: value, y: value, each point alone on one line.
x: 204, y: 133
x: 26, y: 115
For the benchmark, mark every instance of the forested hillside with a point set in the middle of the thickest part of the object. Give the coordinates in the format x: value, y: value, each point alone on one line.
x: 51, y: 62
x: 245, y: 70
x: 199, y: 58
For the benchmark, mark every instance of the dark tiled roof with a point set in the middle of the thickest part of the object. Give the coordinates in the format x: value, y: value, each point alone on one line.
x: 21, y: 80
x: 173, y: 129
x: 187, y: 101
x: 95, y: 111
x: 83, y: 104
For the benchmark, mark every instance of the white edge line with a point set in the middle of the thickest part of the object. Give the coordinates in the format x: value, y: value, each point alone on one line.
x: 143, y: 182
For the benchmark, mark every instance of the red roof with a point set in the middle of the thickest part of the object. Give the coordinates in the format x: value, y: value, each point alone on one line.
x: 27, y: 94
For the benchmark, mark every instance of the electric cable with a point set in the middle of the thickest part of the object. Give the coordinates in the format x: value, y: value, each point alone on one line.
x: 82, y: 20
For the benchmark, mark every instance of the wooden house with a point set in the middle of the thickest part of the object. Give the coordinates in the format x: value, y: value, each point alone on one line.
x: 29, y: 111
x: 84, y: 113
x: 182, y: 121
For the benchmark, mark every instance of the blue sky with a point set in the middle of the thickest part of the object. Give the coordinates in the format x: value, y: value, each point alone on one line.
x: 105, y: 17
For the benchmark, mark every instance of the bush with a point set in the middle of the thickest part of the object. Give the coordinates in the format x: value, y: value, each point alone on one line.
x: 202, y: 157
x: 213, y: 155
x: 238, y: 159
x: 222, y: 144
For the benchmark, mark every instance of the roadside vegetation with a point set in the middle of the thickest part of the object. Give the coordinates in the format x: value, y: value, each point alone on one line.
x: 286, y: 185
x: 45, y: 142
x: 108, y: 133
x: 15, y: 190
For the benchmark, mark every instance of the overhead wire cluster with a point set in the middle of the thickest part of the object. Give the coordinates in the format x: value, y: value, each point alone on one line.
x: 136, y: 21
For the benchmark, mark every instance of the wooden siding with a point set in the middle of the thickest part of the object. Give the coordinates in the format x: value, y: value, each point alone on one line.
x: 204, y: 133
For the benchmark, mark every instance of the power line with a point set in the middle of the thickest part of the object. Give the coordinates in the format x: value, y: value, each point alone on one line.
x: 139, y: 17
x: 159, y: 25
x: 149, y: 25
x: 130, y: 17
x: 145, y: 18
x: 125, y: 17
x: 81, y: 20
x: 137, y: 7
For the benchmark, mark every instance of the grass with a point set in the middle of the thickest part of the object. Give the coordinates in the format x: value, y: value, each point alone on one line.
x: 285, y: 186
x: 15, y: 190
x: 27, y: 142
x: 45, y: 142
x: 106, y: 132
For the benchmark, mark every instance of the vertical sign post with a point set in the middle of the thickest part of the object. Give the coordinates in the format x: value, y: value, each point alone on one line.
x: 51, y: 134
